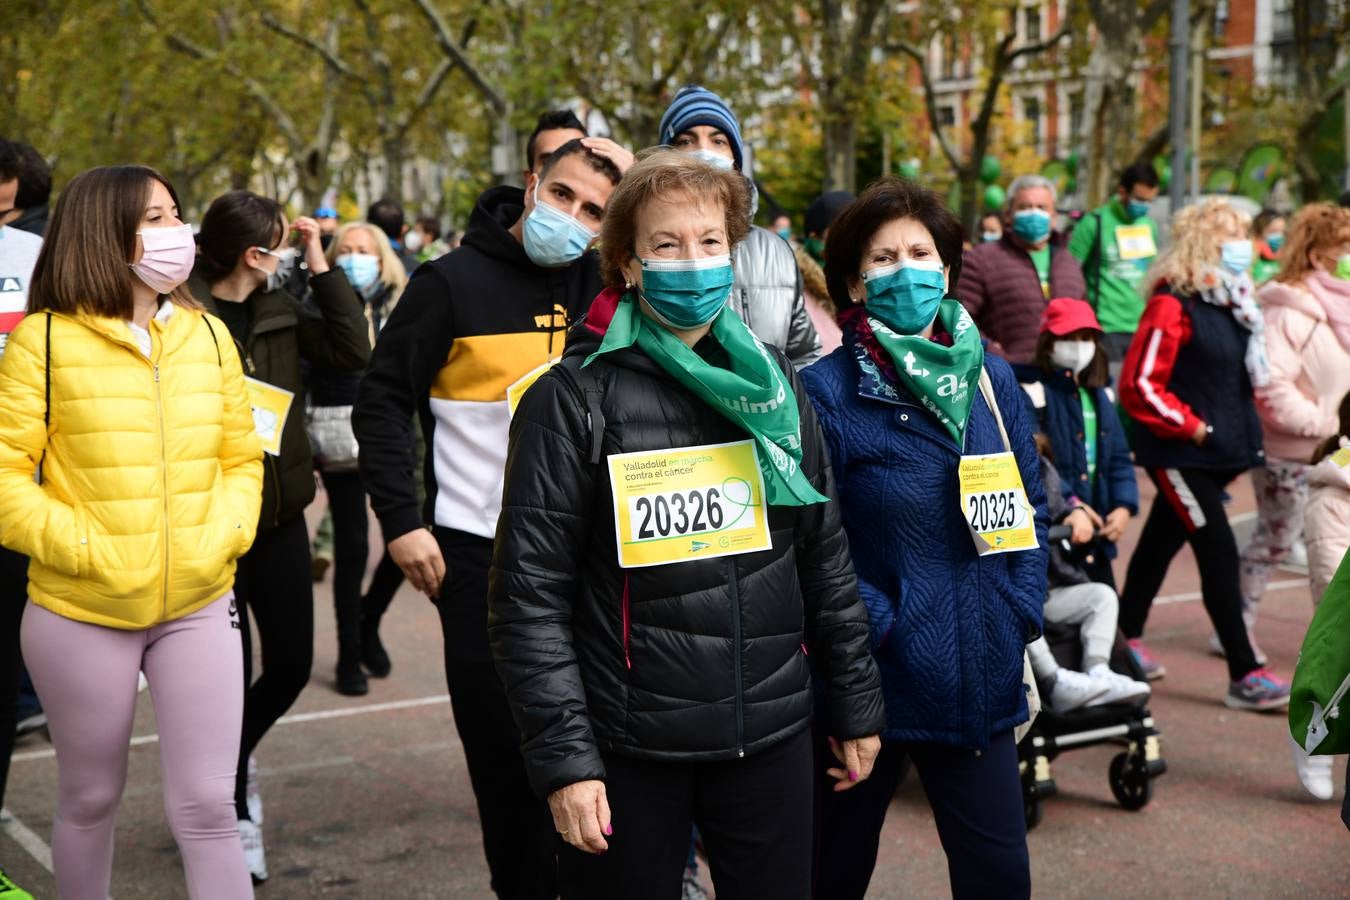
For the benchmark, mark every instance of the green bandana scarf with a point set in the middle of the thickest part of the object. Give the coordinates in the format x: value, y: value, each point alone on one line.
x: 944, y: 379
x: 753, y: 393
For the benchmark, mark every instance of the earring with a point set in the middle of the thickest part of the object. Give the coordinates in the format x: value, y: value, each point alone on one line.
x: 628, y: 286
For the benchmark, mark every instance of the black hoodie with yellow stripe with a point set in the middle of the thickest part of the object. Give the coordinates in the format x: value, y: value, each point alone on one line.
x: 470, y: 326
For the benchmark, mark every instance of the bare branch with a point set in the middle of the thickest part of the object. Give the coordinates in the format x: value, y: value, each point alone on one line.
x: 457, y: 55
x: 330, y: 59
x: 930, y: 101
x: 1040, y: 46
x: 429, y: 89
x: 188, y: 47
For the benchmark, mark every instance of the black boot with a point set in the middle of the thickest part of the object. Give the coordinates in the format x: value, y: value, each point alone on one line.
x: 351, y: 680
x: 373, y: 655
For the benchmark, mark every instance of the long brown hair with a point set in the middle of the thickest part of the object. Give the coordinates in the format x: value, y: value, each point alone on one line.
x: 86, y: 256
x: 1333, y: 443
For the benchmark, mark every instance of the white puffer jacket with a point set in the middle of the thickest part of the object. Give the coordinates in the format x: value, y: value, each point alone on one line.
x: 1327, y: 518
x: 768, y: 297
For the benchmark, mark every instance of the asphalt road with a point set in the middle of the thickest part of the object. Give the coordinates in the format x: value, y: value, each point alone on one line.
x: 369, y: 797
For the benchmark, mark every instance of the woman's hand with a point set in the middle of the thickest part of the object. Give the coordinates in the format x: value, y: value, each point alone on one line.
x: 311, y: 245
x: 1200, y: 435
x: 581, y: 815
x: 1114, y: 528
x: 1084, y: 523
x: 857, y: 757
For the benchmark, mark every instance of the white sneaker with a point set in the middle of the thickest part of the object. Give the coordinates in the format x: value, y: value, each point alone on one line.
x: 252, y: 794
x: 1073, y: 690
x: 1314, y: 772
x: 254, y: 856
x: 141, y: 683
x: 1119, y: 688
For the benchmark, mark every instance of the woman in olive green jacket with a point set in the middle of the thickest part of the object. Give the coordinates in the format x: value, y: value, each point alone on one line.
x: 245, y: 262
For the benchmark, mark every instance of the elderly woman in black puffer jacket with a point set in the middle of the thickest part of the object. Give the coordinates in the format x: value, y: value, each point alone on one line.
x: 669, y: 554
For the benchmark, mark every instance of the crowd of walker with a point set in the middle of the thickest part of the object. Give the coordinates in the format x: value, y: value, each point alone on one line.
x: 725, y: 529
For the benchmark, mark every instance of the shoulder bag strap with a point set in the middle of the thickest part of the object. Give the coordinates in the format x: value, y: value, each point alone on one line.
x: 987, y: 389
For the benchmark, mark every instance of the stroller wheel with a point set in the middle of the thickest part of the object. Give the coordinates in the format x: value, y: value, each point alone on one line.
x: 1131, y: 782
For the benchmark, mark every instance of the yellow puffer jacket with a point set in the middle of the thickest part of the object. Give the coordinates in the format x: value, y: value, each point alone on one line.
x: 152, y: 477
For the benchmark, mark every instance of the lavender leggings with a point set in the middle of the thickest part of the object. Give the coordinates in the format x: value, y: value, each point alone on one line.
x: 86, y: 678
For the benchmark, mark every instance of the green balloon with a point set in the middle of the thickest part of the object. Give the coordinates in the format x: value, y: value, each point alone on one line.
x: 910, y: 168
x: 994, y: 197
x: 990, y: 170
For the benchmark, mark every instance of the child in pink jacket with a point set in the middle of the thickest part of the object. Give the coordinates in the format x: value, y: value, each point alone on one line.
x: 1327, y: 526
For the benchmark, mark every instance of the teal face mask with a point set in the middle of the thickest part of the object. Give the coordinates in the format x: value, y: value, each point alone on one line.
x: 1137, y: 209
x: 1275, y: 242
x: 905, y: 296
x: 687, y: 293
x: 1031, y: 225
x: 1236, y: 256
x: 554, y: 239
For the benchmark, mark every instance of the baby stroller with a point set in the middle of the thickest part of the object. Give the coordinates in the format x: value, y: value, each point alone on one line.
x: 1131, y: 725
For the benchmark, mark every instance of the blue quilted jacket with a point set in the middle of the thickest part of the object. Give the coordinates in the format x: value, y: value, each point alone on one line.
x: 948, y: 628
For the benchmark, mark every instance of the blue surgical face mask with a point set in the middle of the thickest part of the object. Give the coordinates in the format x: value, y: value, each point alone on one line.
x: 785, y: 233
x: 1236, y: 256
x: 714, y: 159
x: 905, y: 296
x: 1137, y: 209
x: 554, y: 239
x: 1031, y: 225
x: 990, y: 236
x: 363, y: 270
x: 687, y: 293
x: 1275, y: 242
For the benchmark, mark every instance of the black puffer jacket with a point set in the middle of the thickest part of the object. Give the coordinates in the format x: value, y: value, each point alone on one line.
x: 703, y: 660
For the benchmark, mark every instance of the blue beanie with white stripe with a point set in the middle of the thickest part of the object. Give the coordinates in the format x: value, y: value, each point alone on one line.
x: 696, y: 105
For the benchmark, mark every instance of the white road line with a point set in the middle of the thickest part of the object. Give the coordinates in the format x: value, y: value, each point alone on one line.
x: 296, y: 719
x: 25, y: 838
x: 1192, y: 596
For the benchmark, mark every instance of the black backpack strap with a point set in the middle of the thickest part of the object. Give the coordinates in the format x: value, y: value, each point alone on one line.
x: 592, y: 396
x: 47, y: 416
x: 214, y: 340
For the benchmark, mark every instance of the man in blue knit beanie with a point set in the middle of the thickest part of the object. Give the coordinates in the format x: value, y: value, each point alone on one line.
x: 767, y: 294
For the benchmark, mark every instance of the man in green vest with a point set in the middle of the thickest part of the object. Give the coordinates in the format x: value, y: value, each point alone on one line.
x: 1115, y: 245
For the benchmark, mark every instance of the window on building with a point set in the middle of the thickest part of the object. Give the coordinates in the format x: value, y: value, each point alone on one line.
x: 1031, y: 31
x: 1281, y: 20
x: 1077, y: 110
x: 946, y: 116
x: 1220, y: 19
x: 950, y: 58
x: 1031, y: 114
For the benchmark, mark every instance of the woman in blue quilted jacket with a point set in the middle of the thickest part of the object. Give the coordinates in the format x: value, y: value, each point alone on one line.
x: 940, y: 494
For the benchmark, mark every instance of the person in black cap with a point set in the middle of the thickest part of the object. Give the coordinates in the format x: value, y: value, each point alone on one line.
x: 811, y: 261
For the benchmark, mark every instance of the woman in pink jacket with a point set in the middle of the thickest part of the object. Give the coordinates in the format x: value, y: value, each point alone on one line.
x: 1307, y: 328
x: 1327, y: 520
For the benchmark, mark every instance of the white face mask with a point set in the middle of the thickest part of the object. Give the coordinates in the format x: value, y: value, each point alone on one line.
x: 413, y: 241
x: 1073, y: 355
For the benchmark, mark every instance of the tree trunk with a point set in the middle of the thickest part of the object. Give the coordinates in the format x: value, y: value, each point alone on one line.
x: 840, y: 135
x: 393, y: 169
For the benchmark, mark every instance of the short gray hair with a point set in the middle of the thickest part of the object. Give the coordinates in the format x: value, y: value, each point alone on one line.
x: 1030, y: 182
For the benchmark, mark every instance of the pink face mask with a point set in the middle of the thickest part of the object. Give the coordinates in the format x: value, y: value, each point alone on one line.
x: 167, y: 258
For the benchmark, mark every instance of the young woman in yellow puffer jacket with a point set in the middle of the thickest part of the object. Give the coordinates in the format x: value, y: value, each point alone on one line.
x: 128, y: 403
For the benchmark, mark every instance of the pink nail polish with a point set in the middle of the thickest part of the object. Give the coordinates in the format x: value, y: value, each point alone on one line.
x: 852, y: 776
x: 609, y: 829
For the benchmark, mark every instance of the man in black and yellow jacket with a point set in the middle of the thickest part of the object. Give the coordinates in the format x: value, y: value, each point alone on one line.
x: 472, y: 330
